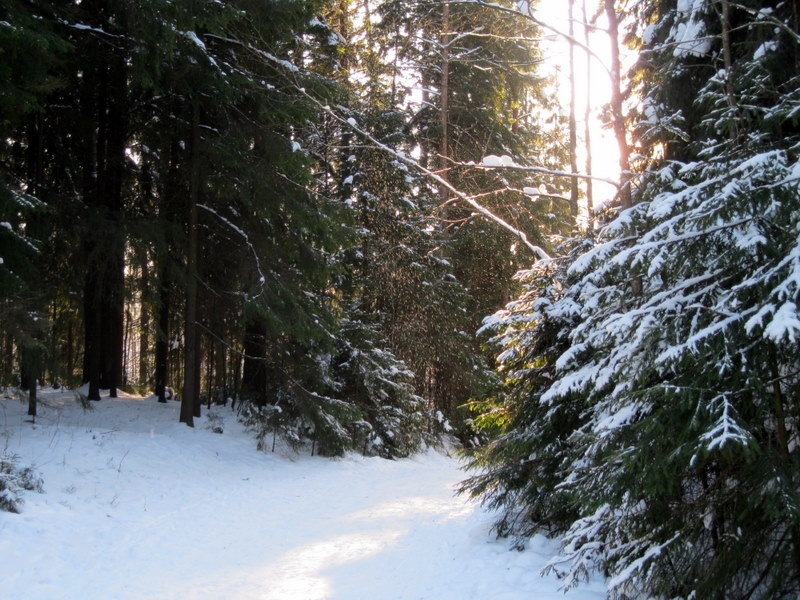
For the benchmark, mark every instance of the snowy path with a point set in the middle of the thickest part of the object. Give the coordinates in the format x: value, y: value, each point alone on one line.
x: 138, y: 506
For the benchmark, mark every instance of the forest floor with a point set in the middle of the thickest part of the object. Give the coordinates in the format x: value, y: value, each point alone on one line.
x: 138, y: 506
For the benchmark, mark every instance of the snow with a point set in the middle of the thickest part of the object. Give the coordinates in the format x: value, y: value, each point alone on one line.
x: 769, y: 46
x: 492, y: 160
x: 785, y: 323
x: 532, y: 191
x: 689, y: 34
x: 136, y: 505
x: 197, y: 41
x: 192, y: 36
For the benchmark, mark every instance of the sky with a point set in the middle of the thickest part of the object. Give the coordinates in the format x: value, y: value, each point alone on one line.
x: 556, y: 49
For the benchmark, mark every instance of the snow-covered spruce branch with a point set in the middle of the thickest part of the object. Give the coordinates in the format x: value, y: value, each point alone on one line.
x: 288, y: 68
x: 766, y: 16
x: 470, y: 200
x: 647, y: 244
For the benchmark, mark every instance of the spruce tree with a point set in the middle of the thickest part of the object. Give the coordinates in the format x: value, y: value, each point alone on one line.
x: 676, y: 366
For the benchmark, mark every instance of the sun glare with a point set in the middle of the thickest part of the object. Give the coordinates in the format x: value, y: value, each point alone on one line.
x: 592, y: 86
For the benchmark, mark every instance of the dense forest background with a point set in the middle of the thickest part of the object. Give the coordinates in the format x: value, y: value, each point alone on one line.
x: 211, y: 198
x: 311, y: 207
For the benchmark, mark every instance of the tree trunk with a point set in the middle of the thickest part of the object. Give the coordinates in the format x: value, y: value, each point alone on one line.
x: 91, y: 340
x: 587, y: 131
x: 618, y: 118
x: 115, y: 167
x: 254, y: 373
x: 444, y: 105
x: 727, y: 54
x: 31, y: 361
x: 91, y: 312
x: 70, y: 352
x: 8, y: 358
x: 162, y: 336
x: 573, y: 123
x: 103, y: 108
x: 191, y: 393
x: 144, y: 322
x: 617, y: 107
x: 220, y: 372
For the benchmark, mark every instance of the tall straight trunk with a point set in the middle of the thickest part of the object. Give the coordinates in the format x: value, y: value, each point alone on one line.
x: 235, y: 369
x: 425, y: 150
x: 168, y: 215
x: 115, y: 167
x: 32, y: 400
x: 220, y: 372
x: 210, y: 365
x: 573, y: 123
x: 617, y: 107
x: 113, y: 321
x: 91, y: 339
x: 191, y: 393
x: 52, y: 371
x: 91, y: 312
x: 8, y: 358
x: 144, y: 321
x: 444, y: 104
x: 727, y: 54
x: 70, y: 352
x: 587, y: 130
x: 30, y: 356
x: 254, y: 372
x: 346, y: 167
x: 620, y: 133
x: 103, y: 108
x: 162, y: 336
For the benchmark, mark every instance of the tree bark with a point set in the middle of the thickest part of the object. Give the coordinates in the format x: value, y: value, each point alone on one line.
x: 444, y: 104
x: 618, y: 116
x: 31, y: 360
x: 727, y: 55
x: 8, y: 358
x: 91, y: 313
x: 103, y: 108
x: 144, y: 321
x: 254, y: 372
x: 587, y: 130
x: 162, y: 337
x: 191, y: 393
x: 617, y: 107
x: 573, y: 123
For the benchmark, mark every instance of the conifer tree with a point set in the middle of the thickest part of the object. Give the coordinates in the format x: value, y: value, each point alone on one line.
x: 676, y: 366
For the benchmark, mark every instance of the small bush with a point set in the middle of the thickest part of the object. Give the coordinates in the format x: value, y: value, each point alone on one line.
x: 13, y: 481
x: 84, y: 402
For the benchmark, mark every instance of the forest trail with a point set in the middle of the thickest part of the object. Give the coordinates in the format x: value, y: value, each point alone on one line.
x: 138, y: 506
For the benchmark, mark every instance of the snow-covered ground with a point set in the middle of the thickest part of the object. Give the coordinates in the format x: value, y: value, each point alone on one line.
x: 136, y: 505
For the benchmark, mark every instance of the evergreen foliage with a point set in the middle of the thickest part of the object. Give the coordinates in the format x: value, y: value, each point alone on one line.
x: 657, y: 411
x: 14, y: 481
x: 215, y: 224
